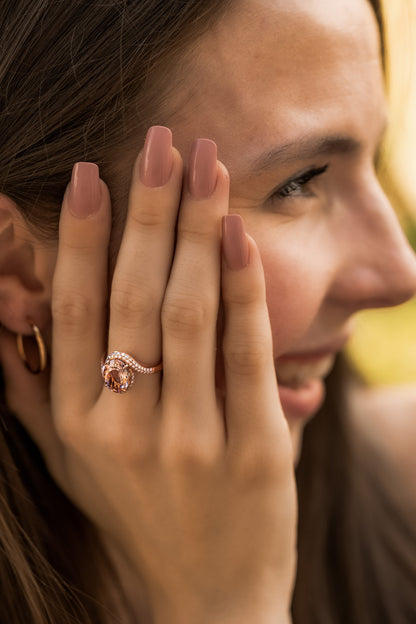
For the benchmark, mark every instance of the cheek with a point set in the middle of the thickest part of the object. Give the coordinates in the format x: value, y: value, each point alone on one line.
x: 296, y: 285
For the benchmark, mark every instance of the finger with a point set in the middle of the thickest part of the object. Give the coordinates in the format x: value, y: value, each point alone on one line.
x: 191, y: 304
x: 253, y: 411
x: 145, y: 255
x: 80, y: 290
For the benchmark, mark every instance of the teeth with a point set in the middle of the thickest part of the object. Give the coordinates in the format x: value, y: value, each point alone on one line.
x: 294, y: 374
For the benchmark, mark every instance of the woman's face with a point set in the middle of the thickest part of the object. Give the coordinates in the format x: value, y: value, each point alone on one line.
x: 292, y: 92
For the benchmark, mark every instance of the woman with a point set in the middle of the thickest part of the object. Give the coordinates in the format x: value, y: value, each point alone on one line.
x: 182, y: 486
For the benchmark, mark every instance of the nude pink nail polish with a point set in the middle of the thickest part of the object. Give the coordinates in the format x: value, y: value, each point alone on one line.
x: 203, y: 168
x: 234, y: 242
x: 156, y: 162
x: 84, y: 191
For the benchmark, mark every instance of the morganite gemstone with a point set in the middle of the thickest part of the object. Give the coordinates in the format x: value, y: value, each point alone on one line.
x: 117, y: 376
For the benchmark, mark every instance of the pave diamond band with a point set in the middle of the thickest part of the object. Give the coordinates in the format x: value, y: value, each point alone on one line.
x: 132, y: 363
x: 119, y: 370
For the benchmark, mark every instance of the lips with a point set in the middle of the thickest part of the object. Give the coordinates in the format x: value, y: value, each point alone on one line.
x: 295, y: 374
x: 301, y: 375
x: 301, y: 386
x: 303, y: 402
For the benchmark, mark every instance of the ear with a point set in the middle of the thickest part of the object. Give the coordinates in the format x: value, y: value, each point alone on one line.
x: 26, y: 269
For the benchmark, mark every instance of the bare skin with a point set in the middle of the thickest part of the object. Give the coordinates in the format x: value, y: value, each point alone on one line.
x: 175, y: 470
x: 333, y: 246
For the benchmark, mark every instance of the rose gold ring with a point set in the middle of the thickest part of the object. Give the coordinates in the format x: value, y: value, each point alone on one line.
x: 118, y: 371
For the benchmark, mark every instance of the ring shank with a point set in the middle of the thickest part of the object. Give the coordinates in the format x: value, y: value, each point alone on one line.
x: 134, y: 364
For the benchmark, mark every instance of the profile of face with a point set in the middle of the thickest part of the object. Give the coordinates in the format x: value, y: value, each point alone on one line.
x: 293, y: 95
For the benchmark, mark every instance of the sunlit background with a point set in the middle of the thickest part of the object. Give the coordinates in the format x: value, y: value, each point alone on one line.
x: 384, y: 344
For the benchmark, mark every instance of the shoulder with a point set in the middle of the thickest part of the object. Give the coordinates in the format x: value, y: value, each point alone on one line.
x: 387, y: 419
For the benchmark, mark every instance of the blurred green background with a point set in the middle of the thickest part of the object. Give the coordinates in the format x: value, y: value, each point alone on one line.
x: 383, y: 347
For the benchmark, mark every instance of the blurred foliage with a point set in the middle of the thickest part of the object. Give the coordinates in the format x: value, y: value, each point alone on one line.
x: 410, y: 229
x: 383, y: 348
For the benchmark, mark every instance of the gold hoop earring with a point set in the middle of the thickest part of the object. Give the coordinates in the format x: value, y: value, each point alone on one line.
x: 41, y: 349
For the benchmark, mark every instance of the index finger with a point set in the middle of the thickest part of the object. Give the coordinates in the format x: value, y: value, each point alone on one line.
x: 79, y: 293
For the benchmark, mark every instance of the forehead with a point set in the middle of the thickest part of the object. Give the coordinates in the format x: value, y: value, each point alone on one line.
x: 271, y: 69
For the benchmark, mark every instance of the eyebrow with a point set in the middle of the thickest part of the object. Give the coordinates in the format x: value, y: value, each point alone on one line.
x: 305, y: 149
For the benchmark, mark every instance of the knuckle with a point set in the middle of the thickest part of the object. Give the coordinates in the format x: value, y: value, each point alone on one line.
x: 81, y: 244
x: 129, y: 451
x: 261, y: 464
x: 251, y: 297
x: 134, y: 304
x: 187, y: 456
x: 185, y: 316
x: 71, y: 309
x: 246, y: 358
x: 147, y: 215
x: 69, y: 431
x: 194, y: 231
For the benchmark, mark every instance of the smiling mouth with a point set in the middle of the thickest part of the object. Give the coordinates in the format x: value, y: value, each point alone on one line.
x: 295, y: 373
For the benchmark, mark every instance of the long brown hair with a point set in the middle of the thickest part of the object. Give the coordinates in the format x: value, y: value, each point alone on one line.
x: 78, y: 80
x: 357, y: 529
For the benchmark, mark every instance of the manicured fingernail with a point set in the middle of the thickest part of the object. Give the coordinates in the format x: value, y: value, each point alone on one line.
x: 156, y: 162
x: 203, y: 168
x: 84, y: 191
x: 234, y: 242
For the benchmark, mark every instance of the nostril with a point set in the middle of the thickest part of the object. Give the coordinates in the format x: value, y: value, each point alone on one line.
x: 388, y: 282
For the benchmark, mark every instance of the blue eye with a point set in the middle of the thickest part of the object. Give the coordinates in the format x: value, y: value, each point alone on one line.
x: 294, y: 186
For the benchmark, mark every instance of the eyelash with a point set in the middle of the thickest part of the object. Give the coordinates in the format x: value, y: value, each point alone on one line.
x: 293, y: 188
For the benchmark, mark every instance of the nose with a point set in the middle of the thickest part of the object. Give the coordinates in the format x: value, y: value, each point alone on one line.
x: 376, y: 265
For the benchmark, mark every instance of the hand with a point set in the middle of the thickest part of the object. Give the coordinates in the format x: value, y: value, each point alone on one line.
x: 195, y: 484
